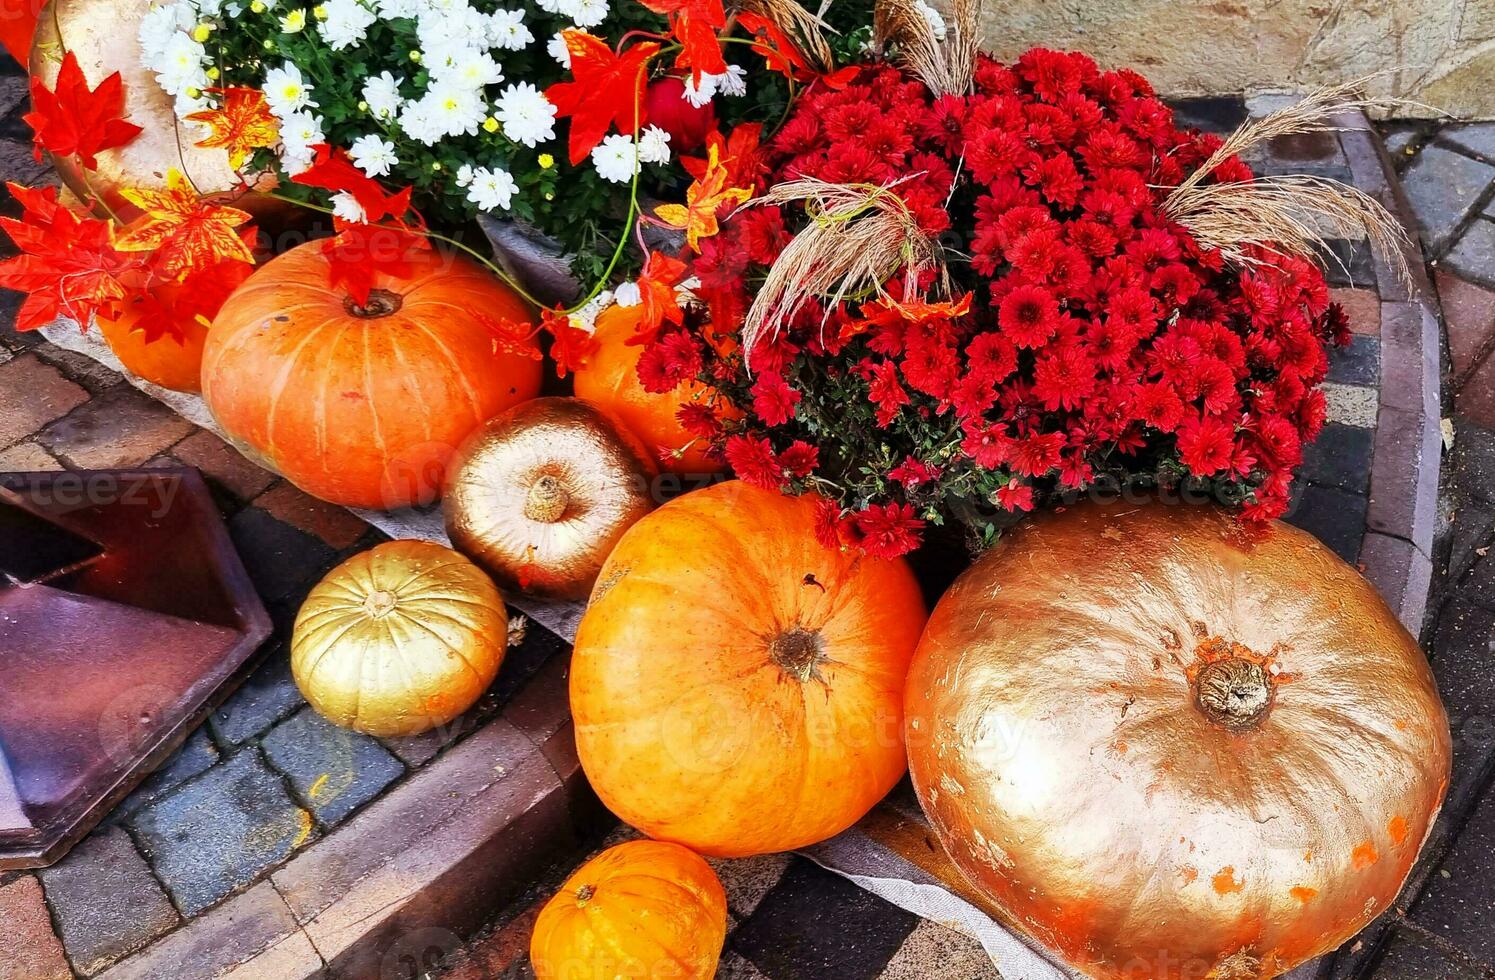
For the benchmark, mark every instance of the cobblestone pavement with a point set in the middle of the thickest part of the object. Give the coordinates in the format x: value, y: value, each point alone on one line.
x: 191, y: 852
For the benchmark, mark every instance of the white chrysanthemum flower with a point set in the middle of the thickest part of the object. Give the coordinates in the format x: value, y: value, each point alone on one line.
x: 374, y: 155
x: 347, y: 22
x: 382, y: 93
x: 458, y: 26
x: 654, y: 145
x: 733, y: 82
x: 527, y: 116
x: 294, y: 21
x: 157, y: 28
x: 286, y: 91
x: 553, y: 6
x: 936, y: 22
x: 628, y: 295
x: 462, y: 66
x: 491, y: 190
x: 445, y: 110
x: 209, y: 8
x: 182, y: 65
x: 300, y: 132
x: 398, y: 9
x: 586, y: 317
x: 587, y: 13
x: 507, y: 30
x: 616, y: 158
x: 699, y: 93
x: 465, y: 174
x: 185, y: 104
x: 556, y: 48
x: 346, y: 207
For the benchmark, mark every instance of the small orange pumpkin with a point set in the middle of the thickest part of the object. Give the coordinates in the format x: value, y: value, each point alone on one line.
x: 641, y: 909
x: 363, y: 405
x: 171, y: 362
x: 727, y: 659
x: 609, y: 379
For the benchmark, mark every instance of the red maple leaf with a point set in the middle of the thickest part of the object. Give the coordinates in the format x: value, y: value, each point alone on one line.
x: 165, y: 307
x: 73, y: 120
x: 69, y: 265
x: 358, y: 253
x: 571, y: 347
x: 331, y: 170
x: 696, y: 25
x: 520, y: 338
x: 657, y: 299
x: 738, y: 153
x: 608, y: 90
x: 774, y: 45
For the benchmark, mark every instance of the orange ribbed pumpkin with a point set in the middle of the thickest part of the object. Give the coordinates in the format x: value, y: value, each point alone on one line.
x: 363, y: 405
x: 737, y: 687
x: 609, y: 380
x: 641, y: 909
x: 171, y: 362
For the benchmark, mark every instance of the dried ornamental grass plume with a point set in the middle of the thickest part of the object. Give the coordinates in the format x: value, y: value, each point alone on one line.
x: 1287, y: 214
x: 805, y: 29
x: 858, y: 238
x: 947, y: 65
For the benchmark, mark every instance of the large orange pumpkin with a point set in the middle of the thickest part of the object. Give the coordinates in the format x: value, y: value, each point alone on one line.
x: 362, y: 405
x: 609, y: 379
x: 736, y: 686
x: 641, y: 909
x: 1170, y: 745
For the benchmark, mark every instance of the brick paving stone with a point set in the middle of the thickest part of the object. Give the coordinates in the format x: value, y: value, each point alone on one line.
x: 27, y: 457
x: 18, y: 163
x: 1469, y: 313
x: 1442, y: 186
x: 1473, y: 256
x: 1339, y: 458
x: 1352, y: 404
x: 33, y: 393
x: 1473, y: 528
x: 933, y: 950
x: 1403, y: 477
x: 1363, y: 306
x: 269, y: 695
x: 280, y: 559
x: 747, y: 880
x: 14, y: 92
x: 501, y: 953
x: 252, y: 936
x: 223, y: 464
x: 29, y: 949
x: 1349, y: 263
x: 1462, y: 660
x: 1459, y: 903
x: 121, y: 427
x: 1213, y: 114
x: 220, y: 832
x: 1409, y: 376
x: 815, y: 923
x: 1357, y: 364
x: 333, y: 771
x: 1476, y: 396
x: 1473, y: 458
x: 1320, y: 146
x: 1401, y: 574
x: 1411, y: 956
x: 334, y: 525
x: 1333, y: 516
x: 195, y: 757
x: 105, y: 901
x: 1401, y: 138
x: 86, y: 371
x: 1477, y: 139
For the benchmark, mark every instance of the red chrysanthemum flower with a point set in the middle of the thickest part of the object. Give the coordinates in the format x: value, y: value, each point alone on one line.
x: 1205, y: 445
x: 889, y: 530
x: 1028, y: 316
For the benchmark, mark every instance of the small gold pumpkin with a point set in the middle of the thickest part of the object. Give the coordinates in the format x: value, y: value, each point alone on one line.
x: 540, y: 494
x: 399, y: 639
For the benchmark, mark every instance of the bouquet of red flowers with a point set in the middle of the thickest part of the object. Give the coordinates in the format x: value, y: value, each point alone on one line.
x: 1088, y: 298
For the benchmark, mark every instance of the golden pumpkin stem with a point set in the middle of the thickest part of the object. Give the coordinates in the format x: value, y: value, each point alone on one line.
x: 584, y: 894
x: 381, y: 303
x: 1234, y: 693
x: 799, y: 653
x: 380, y: 603
x: 547, y: 500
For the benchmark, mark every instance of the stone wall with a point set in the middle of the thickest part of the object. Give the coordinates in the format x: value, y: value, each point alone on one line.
x: 1444, y: 48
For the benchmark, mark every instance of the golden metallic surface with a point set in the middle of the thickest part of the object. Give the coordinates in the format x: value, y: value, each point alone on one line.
x: 540, y: 494
x: 1167, y: 745
x: 399, y: 639
x: 103, y: 35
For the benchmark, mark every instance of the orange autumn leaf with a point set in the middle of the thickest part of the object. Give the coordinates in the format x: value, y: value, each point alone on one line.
x: 186, y: 232
x: 241, y: 125
x: 705, y: 196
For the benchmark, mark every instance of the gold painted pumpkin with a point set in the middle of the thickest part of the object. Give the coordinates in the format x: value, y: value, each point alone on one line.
x: 641, y: 909
x: 736, y: 686
x: 399, y: 639
x: 1168, y: 744
x: 104, y: 36
x: 540, y: 494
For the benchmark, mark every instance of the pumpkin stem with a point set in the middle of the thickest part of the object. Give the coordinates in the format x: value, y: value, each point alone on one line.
x: 379, y: 603
x: 584, y: 894
x: 547, y: 500
x: 381, y: 303
x: 799, y: 653
x: 1235, y: 693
